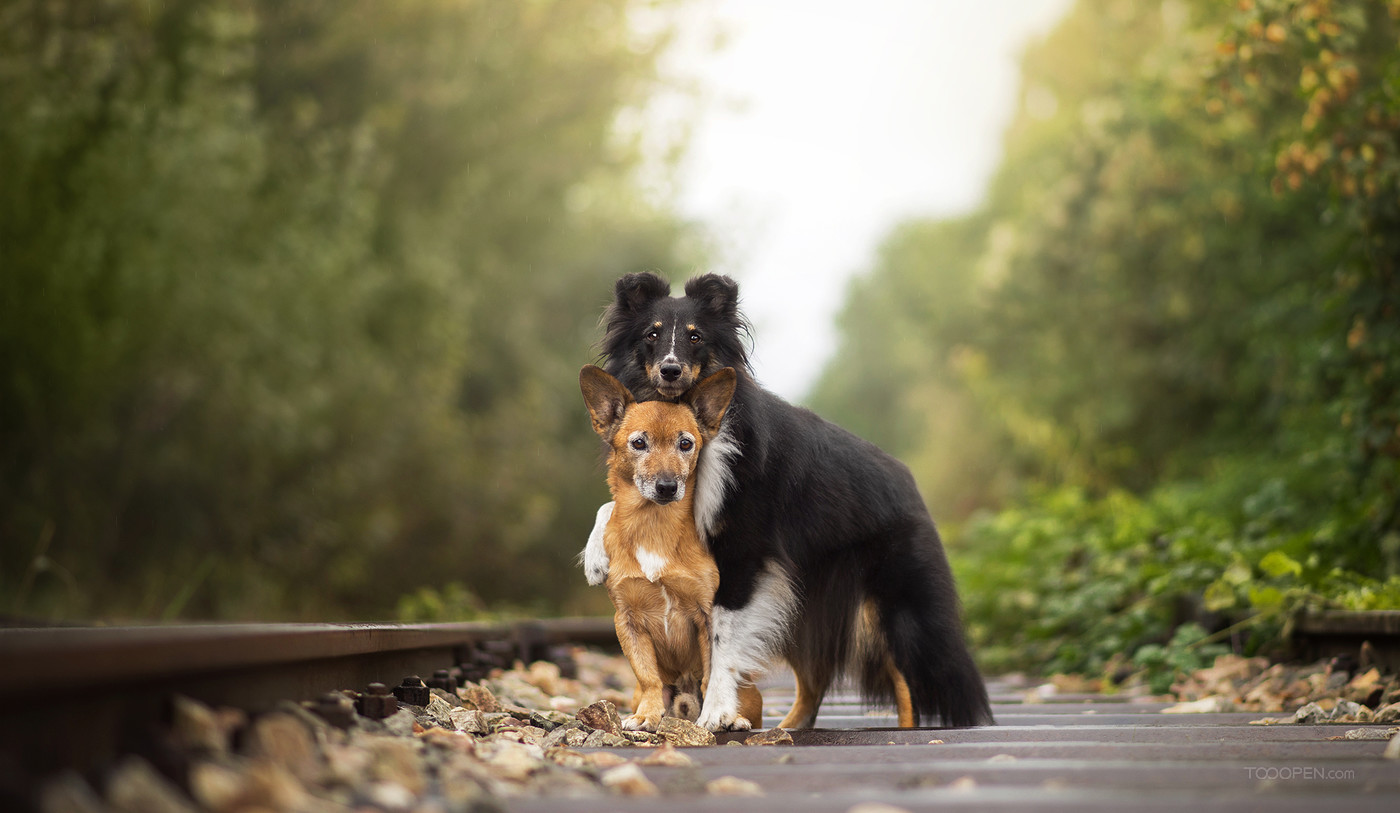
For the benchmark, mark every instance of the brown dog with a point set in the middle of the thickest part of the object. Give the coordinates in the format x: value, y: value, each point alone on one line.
x: 662, y: 578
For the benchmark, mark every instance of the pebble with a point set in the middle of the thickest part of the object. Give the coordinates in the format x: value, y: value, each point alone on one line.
x: 517, y: 692
x: 681, y: 732
x: 476, y: 696
x: 135, y: 787
x: 285, y: 741
x: 1368, y: 734
x: 438, y: 712
x: 629, y: 780
x: 668, y: 756
x: 876, y: 807
x: 197, y: 727
x: 601, y: 716
x: 470, y: 721
x: 67, y: 792
x: 1344, y: 711
x: 773, y: 736
x: 602, y: 739
x: 733, y: 786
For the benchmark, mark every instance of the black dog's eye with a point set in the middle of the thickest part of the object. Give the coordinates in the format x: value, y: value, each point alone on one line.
x: 639, y: 444
x: 686, y: 444
x: 694, y: 338
x: 653, y: 335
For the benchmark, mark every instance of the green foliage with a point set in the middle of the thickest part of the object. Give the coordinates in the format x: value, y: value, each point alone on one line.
x: 1188, y: 650
x: 451, y: 602
x: 295, y: 296
x: 1154, y: 380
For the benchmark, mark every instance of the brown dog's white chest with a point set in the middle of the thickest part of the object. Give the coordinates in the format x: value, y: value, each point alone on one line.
x: 667, y: 586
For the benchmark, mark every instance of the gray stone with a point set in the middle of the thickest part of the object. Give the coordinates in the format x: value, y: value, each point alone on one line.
x: 135, y: 787
x: 516, y: 691
x: 439, y: 712
x: 400, y: 723
x: 773, y: 736
x: 602, y: 739
x: 669, y: 757
x: 733, y: 786
x: 628, y: 780
x: 562, y: 783
x: 550, y: 720
x: 469, y: 720
x: 1388, y: 714
x: 68, y: 792
x: 601, y: 716
x: 475, y: 696
x: 197, y: 727
x: 284, y: 740
x: 1369, y: 734
x: 450, y: 698
x: 643, y: 738
x: 684, y: 733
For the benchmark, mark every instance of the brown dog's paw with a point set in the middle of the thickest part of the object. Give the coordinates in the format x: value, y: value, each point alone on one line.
x: 640, y: 722
x: 741, y: 723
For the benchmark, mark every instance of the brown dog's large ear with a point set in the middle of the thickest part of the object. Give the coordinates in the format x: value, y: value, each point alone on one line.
x: 636, y: 291
x: 716, y: 294
x: 710, y: 398
x: 606, y: 398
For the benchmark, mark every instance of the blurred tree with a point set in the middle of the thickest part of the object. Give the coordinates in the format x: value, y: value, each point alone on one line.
x: 1166, y: 346
x: 1130, y: 300
x: 1327, y: 72
x: 295, y: 296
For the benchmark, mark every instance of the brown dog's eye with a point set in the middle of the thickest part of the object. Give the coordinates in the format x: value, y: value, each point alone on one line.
x: 639, y: 444
x: 686, y: 444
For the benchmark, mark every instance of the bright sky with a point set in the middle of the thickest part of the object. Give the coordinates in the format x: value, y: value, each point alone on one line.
x: 828, y: 123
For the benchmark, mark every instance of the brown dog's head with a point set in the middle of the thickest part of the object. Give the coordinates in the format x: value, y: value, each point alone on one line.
x: 655, y: 445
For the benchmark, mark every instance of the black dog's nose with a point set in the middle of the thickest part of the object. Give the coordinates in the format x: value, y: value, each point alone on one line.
x: 666, y: 489
x: 670, y: 372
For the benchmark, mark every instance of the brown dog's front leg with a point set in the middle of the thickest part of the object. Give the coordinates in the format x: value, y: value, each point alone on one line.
x: 641, y: 654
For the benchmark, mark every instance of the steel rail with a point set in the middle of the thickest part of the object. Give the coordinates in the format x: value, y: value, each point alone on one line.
x: 77, y: 697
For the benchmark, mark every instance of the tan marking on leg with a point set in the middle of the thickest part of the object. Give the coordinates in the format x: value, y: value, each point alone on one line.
x: 751, y: 705
x: 904, y: 702
x: 804, y: 708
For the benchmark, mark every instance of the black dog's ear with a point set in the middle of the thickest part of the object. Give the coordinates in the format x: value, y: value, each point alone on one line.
x: 636, y: 291
x: 710, y: 398
x: 606, y: 398
x: 717, y: 295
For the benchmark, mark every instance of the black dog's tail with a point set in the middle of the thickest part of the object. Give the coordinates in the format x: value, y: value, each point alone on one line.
x: 922, y: 625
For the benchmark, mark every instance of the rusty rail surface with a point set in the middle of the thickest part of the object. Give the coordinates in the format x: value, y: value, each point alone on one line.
x: 79, y: 696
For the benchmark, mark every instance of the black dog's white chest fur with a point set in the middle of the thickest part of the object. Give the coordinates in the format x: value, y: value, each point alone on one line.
x: 715, y: 477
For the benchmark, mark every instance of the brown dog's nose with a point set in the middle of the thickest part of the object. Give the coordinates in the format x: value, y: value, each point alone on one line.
x: 666, y: 489
x: 670, y: 372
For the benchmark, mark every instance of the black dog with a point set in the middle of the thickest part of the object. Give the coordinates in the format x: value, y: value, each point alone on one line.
x: 827, y: 555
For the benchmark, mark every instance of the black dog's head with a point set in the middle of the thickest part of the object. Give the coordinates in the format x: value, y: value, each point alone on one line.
x: 661, y: 346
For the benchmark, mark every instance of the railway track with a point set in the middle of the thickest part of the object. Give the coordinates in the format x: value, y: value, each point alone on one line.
x: 82, y: 697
